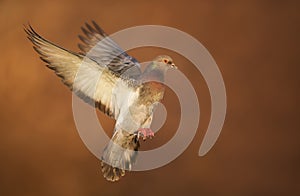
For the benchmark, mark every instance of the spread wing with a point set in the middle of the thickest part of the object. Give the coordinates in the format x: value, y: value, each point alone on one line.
x: 95, y: 84
x: 99, y: 47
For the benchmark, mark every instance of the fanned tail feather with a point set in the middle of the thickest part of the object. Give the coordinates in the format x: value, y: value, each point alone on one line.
x: 119, y: 155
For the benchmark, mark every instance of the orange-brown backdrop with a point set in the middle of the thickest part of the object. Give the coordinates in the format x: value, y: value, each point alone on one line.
x: 254, y: 42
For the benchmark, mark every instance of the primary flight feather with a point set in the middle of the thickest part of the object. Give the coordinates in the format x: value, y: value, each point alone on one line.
x: 106, y: 77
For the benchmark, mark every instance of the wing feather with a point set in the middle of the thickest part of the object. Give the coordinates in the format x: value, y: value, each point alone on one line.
x: 93, y: 83
x: 98, y: 46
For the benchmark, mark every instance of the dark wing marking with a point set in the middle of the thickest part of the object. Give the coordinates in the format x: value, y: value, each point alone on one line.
x: 99, y: 47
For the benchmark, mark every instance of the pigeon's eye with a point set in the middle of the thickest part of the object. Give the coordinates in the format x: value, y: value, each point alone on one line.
x: 165, y: 61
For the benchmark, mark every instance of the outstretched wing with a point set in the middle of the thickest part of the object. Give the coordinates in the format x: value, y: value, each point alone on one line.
x: 99, y: 47
x: 95, y: 84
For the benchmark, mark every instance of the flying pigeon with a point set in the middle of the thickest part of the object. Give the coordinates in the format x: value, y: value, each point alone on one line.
x: 112, y: 81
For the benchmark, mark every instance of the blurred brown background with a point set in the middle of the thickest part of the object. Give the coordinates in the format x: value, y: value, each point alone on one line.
x: 254, y: 42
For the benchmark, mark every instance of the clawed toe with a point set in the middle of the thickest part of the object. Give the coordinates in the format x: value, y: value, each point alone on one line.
x: 145, y: 132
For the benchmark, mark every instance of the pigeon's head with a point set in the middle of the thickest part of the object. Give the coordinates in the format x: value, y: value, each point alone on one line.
x: 164, y: 62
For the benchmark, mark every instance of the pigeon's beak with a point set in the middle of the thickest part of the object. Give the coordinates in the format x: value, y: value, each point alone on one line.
x: 173, y: 66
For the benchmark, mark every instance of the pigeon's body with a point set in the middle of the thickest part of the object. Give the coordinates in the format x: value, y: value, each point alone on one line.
x: 109, y: 79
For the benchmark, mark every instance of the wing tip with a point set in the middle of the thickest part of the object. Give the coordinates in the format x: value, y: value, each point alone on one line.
x: 90, y: 31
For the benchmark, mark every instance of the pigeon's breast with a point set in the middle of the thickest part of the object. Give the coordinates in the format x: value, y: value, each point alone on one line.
x: 151, y: 92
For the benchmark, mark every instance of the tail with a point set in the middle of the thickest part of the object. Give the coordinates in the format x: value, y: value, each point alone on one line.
x: 119, y: 155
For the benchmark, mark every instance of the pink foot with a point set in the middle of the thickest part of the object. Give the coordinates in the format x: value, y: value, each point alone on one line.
x: 145, y: 132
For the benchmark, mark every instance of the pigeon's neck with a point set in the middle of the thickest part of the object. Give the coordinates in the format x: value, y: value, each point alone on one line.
x: 153, y: 73
x: 153, y: 88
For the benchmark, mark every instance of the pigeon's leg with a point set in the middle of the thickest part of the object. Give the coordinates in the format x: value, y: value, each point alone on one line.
x: 145, y: 132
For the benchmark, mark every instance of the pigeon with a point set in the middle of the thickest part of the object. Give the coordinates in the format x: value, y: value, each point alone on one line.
x: 112, y: 81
